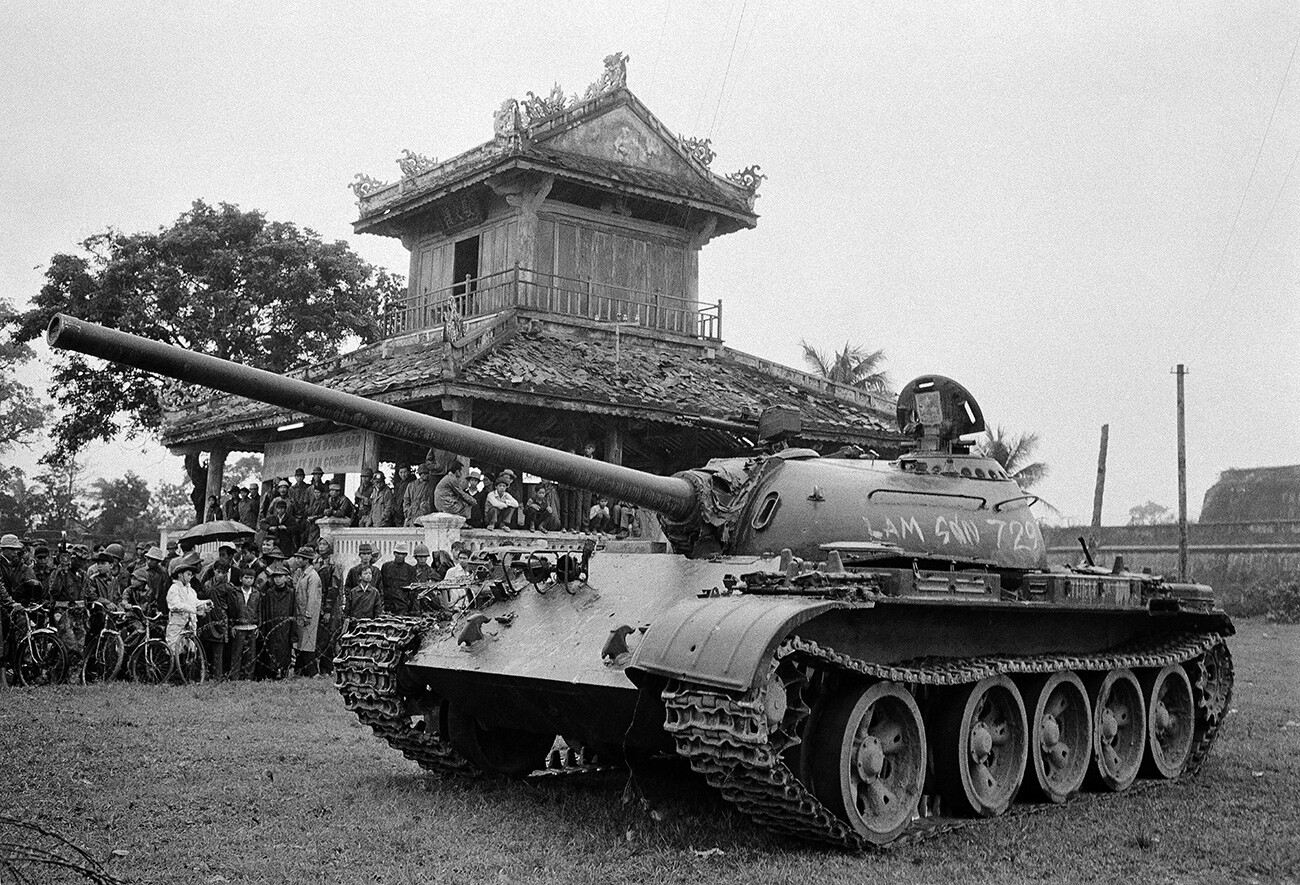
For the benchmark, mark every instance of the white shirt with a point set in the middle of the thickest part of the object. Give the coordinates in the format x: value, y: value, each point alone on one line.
x: 182, y: 598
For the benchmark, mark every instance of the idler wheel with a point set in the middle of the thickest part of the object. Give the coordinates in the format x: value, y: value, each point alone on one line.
x: 981, y: 746
x: 508, y: 752
x: 1171, y: 721
x: 868, y: 759
x: 1119, y: 729
x: 1060, y: 735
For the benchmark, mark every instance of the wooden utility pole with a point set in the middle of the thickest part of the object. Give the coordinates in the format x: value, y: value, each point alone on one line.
x: 1100, y: 491
x: 1181, y: 372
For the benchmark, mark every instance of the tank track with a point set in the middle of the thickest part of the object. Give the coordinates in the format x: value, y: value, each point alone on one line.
x: 729, y: 741
x: 366, y: 674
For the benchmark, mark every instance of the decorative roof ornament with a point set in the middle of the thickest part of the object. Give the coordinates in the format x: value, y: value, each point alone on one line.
x: 614, y: 77
x: 748, y: 178
x: 698, y: 149
x: 514, y: 118
x: 537, y: 107
x: 412, y: 164
x: 506, y: 122
x: 364, y: 185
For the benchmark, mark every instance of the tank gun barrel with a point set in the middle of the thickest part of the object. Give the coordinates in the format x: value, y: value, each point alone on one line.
x: 670, y: 495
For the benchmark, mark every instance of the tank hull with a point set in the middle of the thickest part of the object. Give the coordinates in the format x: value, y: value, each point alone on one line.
x: 543, y: 661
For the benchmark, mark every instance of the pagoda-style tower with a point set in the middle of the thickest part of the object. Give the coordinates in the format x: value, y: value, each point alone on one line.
x: 581, y: 207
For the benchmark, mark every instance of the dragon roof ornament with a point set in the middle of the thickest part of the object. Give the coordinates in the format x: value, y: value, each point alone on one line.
x: 412, y: 164
x: 515, y: 117
x: 698, y: 149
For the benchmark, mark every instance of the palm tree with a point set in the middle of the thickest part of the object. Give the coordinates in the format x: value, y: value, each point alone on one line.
x: 854, y: 365
x: 1014, y: 452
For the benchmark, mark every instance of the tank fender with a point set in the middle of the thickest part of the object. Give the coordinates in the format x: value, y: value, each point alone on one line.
x: 724, y: 641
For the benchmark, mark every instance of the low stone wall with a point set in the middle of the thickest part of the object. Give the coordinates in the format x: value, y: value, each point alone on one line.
x: 1232, y: 557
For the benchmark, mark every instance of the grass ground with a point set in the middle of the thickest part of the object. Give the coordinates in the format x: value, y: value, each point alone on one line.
x: 277, y: 783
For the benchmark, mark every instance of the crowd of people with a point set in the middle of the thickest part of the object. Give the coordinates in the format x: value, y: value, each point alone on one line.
x: 290, y: 507
x: 257, y: 611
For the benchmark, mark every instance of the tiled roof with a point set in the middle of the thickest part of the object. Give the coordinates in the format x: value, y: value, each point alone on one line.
x: 668, y: 384
x: 652, y: 378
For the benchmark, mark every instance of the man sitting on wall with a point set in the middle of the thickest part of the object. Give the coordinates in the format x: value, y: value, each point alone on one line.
x: 450, y: 495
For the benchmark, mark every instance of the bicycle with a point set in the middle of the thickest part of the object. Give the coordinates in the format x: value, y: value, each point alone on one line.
x: 189, y: 663
x: 151, y: 661
x: 40, y: 658
x: 106, y: 651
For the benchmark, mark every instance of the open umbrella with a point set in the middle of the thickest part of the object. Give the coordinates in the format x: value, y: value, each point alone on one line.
x: 218, y: 530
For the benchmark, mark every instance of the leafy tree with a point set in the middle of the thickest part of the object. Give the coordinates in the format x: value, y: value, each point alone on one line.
x: 57, y: 497
x: 1149, y: 513
x: 170, y: 507
x: 854, y: 365
x: 1015, y: 453
x: 221, y: 281
x: 21, y: 413
x: 18, y: 501
x: 243, y: 471
x: 123, y: 506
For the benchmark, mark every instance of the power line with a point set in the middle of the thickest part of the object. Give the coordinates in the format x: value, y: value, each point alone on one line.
x: 1233, y: 229
x: 659, y: 46
x: 1264, y: 228
x: 744, y: 49
x: 727, y: 73
x: 713, y: 70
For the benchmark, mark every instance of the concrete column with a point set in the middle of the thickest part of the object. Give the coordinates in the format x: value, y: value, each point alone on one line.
x: 329, y: 525
x: 440, y: 529
x: 216, y: 476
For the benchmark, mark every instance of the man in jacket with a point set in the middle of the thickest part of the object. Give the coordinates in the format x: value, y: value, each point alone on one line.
x: 395, y: 578
x: 308, y: 593
x: 450, y: 495
x: 242, y: 613
x: 418, y: 499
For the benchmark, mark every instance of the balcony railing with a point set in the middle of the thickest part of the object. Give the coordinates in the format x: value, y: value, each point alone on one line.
x: 521, y: 287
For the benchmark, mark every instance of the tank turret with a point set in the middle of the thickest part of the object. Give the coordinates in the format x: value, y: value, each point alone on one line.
x: 938, y: 504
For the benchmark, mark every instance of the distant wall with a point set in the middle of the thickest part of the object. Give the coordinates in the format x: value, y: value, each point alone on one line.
x: 1232, y: 557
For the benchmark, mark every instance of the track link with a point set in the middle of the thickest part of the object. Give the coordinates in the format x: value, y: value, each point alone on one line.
x: 729, y: 740
x: 366, y: 674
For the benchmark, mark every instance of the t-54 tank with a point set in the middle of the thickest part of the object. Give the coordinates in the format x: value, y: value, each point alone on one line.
x: 850, y: 650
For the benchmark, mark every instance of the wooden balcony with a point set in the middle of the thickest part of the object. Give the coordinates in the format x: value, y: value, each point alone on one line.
x: 522, y: 287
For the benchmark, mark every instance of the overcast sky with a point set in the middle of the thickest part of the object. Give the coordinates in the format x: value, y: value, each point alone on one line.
x: 1053, y: 203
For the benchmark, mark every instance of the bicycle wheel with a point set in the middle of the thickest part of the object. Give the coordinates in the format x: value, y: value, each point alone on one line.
x: 151, y: 663
x: 42, y: 659
x: 105, y: 661
x: 191, y: 662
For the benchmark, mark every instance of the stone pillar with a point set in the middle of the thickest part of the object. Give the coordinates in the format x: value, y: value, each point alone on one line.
x: 329, y: 524
x: 216, y: 476
x: 440, y: 529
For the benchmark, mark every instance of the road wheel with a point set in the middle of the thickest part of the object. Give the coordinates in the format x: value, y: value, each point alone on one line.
x: 1060, y: 735
x: 1119, y: 730
x: 867, y: 760
x: 981, y: 746
x: 1171, y: 721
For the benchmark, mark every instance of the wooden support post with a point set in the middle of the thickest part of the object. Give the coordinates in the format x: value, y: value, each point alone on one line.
x: 1100, y: 490
x: 461, y: 411
x: 1181, y: 372
x: 614, y: 441
x: 216, y: 476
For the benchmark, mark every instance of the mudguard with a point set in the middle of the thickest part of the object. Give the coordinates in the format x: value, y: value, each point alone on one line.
x: 724, y: 641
